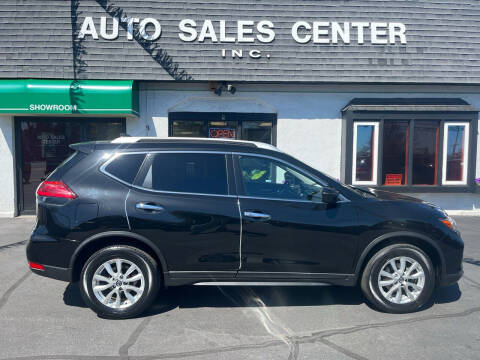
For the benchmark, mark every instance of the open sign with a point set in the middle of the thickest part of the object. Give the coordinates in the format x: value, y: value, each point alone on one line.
x: 221, y: 133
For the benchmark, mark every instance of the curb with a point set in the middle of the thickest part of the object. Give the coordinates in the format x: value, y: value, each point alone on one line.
x: 475, y: 212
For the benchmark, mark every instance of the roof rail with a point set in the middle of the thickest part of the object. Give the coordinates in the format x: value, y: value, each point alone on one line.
x: 140, y: 139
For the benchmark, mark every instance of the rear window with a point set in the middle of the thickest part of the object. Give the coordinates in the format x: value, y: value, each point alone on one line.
x: 125, y: 167
x: 190, y: 173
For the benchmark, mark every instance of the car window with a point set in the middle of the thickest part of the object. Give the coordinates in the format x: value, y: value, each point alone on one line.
x: 125, y: 167
x: 187, y: 172
x: 268, y: 178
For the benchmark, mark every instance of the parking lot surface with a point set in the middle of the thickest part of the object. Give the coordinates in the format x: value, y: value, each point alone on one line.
x: 42, y: 318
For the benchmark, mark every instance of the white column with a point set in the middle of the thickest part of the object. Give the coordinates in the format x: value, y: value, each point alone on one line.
x: 7, y: 167
x: 477, y: 165
x: 160, y: 124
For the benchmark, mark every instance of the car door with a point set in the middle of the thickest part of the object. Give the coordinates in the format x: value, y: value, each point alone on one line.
x: 287, y: 232
x: 182, y: 201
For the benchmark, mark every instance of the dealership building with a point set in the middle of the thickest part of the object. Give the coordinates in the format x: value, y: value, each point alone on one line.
x: 384, y: 94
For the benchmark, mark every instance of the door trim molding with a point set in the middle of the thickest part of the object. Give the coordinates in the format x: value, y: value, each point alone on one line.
x: 202, y: 274
x: 288, y: 274
x: 261, y: 283
x: 251, y: 278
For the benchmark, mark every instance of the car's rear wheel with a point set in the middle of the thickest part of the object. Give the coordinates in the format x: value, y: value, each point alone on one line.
x: 119, y: 282
x: 399, y: 278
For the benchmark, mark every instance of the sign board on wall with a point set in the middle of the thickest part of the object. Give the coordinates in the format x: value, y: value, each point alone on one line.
x: 308, y: 41
x: 247, y: 32
x: 96, y: 97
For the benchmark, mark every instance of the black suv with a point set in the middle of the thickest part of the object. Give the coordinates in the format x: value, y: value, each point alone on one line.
x: 130, y: 216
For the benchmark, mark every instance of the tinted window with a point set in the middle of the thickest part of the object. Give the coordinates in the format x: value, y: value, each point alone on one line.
x: 183, y: 172
x: 425, y: 152
x: 188, y: 128
x: 455, y: 152
x: 257, y: 131
x: 364, y: 153
x: 268, y: 178
x: 395, y: 152
x: 125, y: 167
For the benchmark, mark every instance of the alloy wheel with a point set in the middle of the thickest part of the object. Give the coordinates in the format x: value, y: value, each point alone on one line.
x: 401, y: 280
x: 118, y: 283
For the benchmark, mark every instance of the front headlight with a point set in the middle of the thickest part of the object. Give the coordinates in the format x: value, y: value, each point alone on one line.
x: 444, y: 218
x: 449, y: 222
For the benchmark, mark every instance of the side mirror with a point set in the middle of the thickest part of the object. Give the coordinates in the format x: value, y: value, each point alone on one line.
x: 329, y: 196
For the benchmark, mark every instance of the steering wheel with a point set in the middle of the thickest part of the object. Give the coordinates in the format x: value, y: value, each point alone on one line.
x: 288, y: 191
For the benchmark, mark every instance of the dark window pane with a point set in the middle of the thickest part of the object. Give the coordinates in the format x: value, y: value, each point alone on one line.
x: 45, y: 144
x: 44, y: 147
x: 222, y: 129
x: 188, y: 128
x: 125, y: 167
x: 257, y: 131
x: 395, y: 152
x: 192, y: 173
x: 267, y: 178
x: 103, y: 130
x: 455, y: 152
x: 425, y: 152
x: 365, y: 152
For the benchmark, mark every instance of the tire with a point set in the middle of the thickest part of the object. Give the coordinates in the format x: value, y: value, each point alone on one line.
x: 381, y: 282
x: 138, y: 288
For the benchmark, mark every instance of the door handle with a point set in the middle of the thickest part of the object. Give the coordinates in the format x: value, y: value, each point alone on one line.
x: 149, y: 207
x: 257, y: 215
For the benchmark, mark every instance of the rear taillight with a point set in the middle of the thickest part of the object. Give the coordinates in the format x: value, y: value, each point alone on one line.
x: 55, y: 189
x: 36, y: 266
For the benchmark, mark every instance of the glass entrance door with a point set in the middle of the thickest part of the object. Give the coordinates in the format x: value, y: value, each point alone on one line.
x: 240, y: 126
x: 44, y: 143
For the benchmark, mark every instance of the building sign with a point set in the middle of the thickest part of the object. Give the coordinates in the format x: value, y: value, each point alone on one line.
x: 52, y: 107
x: 221, y: 133
x: 248, y: 32
x: 95, y: 97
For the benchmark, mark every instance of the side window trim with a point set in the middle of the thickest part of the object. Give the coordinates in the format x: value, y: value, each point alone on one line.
x: 140, y: 170
x: 143, y: 170
x: 234, y: 180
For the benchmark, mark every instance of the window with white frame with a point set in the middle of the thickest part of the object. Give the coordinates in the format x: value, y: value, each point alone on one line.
x: 410, y: 152
x: 365, y: 153
x: 455, y: 153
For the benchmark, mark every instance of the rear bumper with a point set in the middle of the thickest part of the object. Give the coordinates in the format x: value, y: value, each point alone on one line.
x: 63, y: 274
x: 53, y: 254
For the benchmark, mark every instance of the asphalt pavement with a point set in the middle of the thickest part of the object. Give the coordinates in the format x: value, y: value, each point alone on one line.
x: 42, y: 318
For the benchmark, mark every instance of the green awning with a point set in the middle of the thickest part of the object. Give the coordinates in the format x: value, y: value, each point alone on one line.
x: 89, y: 97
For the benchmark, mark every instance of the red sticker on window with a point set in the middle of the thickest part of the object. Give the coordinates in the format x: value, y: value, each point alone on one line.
x: 393, y: 179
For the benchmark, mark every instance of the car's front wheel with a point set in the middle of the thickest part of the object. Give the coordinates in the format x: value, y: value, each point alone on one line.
x: 399, y: 278
x: 119, y: 282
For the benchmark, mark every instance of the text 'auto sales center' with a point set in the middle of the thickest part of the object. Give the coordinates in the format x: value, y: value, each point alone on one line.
x: 377, y: 93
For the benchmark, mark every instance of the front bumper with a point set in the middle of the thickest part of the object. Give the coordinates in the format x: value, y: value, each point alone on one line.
x: 449, y: 279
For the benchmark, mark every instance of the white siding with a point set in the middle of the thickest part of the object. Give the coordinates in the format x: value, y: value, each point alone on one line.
x: 7, y: 166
